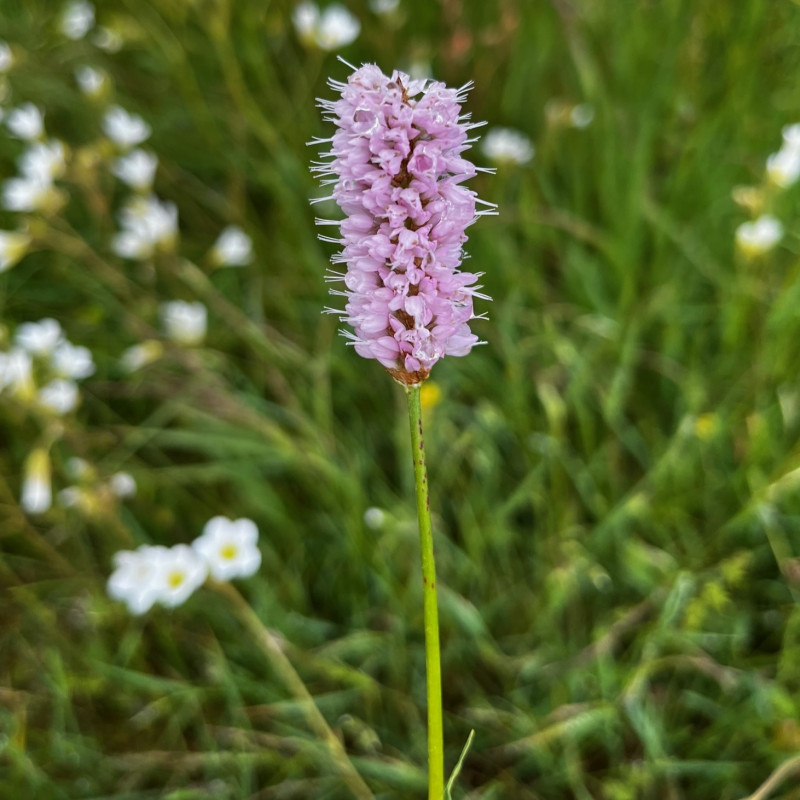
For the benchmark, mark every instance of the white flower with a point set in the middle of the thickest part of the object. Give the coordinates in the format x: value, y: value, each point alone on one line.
x: 182, y: 570
x: 306, y: 18
x: 146, y: 223
x: 37, y: 494
x: 125, y: 129
x: 13, y: 247
x: 59, y: 396
x: 25, y: 122
x: 374, y: 518
x: 73, y: 361
x: 233, y: 248
x: 582, y: 115
x: 506, y: 145
x: 31, y: 193
x: 16, y: 371
x: 336, y: 28
x: 383, y: 6
x: 783, y: 167
x: 6, y: 57
x: 39, y: 338
x: 78, y: 19
x: 43, y: 161
x: 184, y: 323
x: 760, y: 236
x: 107, y: 40
x: 229, y: 548
x: 137, y: 169
x: 137, y: 577
x: 329, y: 29
x: 140, y: 355
x: 791, y: 135
x: 90, y: 80
x: 122, y: 484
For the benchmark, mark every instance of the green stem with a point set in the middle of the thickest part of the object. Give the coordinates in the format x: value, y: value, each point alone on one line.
x: 433, y: 665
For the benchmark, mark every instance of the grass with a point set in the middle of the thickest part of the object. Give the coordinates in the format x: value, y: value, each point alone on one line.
x: 613, y: 477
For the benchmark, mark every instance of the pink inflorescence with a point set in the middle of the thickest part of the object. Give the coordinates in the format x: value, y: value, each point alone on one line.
x: 397, y: 171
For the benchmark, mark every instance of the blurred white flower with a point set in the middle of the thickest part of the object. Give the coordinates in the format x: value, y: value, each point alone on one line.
x: 31, y: 193
x: 184, y: 323
x: 136, y: 169
x: 336, y: 28
x: 39, y: 338
x: 137, y: 577
x: 16, y: 371
x: 383, y: 6
x: 507, y: 146
x: 73, y: 361
x: 125, y: 129
x: 374, y: 518
x: 229, y: 548
x: 25, y: 122
x: 330, y: 29
x: 122, y: 484
x: 582, y: 115
x: 13, y: 246
x: 107, y: 40
x: 6, y: 57
x: 59, y: 396
x: 78, y: 19
x: 760, y: 236
x: 791, y: 135
x: 182, y: 570
x: 233, y: 248
x: 140, y: 355
x: 37, y: 493
x: 43, y: 161
x: 783, y: 167
x: 150, y: 575
x: 90, y: 80
x: 147, y: 223
x: 305, y: 18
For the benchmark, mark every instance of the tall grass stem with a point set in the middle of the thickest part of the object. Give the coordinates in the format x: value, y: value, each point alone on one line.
x: 272, y: 648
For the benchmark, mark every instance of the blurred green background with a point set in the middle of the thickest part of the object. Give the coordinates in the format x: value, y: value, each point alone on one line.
x: 614, y: 476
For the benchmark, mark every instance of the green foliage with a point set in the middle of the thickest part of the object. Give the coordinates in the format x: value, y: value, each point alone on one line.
x: 613, y: 478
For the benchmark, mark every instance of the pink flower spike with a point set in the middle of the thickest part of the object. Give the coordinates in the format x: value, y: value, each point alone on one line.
x: 397, y: 169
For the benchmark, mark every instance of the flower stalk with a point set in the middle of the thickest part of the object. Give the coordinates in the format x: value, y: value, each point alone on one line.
x: 397, y: 170
x: 433, y: 661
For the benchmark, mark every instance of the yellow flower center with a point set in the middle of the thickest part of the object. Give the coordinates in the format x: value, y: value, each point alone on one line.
x: 175, y: 579
x: 228, y: 552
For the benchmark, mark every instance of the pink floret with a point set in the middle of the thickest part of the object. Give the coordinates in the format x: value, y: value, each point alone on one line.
x: 397, y: 171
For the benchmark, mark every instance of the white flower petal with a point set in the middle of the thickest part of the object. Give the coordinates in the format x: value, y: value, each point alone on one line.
x: 229, y: 548
x: 184, y: 323
x: 26, y: 122
x: 505, y: 145
x: 39, y: 338
x: 125, y: 129
x: 59, y: 396
x: 78, y: 19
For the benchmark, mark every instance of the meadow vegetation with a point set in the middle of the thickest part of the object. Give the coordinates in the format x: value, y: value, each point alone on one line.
x: 615, y: 476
